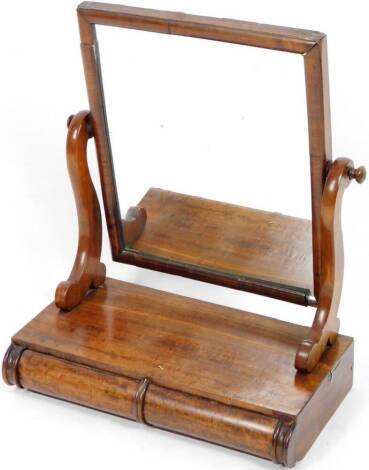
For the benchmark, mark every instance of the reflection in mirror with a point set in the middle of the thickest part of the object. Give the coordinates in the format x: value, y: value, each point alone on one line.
x: 193, y: 122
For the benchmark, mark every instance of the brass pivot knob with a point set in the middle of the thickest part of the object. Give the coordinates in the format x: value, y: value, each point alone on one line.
x: 359, y: 174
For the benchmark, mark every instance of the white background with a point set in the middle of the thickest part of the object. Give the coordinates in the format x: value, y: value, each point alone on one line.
x: 221, y: 121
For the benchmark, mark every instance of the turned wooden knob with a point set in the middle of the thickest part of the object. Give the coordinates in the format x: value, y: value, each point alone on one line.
x: 359, y: 174
x: 69, y: 120
x: 89, y: 125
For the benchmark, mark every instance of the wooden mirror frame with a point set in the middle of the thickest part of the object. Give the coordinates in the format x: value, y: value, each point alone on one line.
x: 312, y: 45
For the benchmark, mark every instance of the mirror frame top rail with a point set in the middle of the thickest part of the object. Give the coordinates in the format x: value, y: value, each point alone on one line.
x: 280, y: 38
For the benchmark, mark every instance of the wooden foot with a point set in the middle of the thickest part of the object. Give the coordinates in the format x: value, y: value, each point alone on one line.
x: 133, y: 224
x: 326, y: 324
x: 88, y: 272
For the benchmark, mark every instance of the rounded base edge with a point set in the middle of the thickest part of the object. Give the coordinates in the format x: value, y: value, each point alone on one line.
x: 284, y: 448
x: 10, y: 364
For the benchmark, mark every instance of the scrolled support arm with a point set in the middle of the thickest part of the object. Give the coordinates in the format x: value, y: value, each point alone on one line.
x: 88, y: 271
x: 326, y: 324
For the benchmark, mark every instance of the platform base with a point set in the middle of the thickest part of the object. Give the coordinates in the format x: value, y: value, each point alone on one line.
x: 187, y: 366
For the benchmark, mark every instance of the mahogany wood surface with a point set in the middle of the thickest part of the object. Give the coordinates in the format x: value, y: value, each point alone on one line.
x: 206, y: 349
x: 208, y: 371
x: 165, y: 408
x: 250, y: 244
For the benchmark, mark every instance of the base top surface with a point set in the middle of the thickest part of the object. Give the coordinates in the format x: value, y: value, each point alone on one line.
x: 234, y: 357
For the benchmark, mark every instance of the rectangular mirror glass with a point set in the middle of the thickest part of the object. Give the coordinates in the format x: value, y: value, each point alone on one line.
x: 204, y: 133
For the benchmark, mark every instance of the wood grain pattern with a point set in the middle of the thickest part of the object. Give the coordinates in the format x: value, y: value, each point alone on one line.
x: 207, y: 350
x: 88, y: 271
x: 169, y: 409
x: 256, y: 247
x: 187, y: 366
